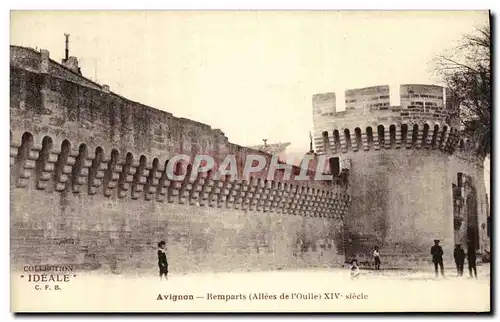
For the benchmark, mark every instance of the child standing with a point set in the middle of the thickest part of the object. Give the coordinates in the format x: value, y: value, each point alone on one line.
x: 162, y: 260
x: 354, y: 269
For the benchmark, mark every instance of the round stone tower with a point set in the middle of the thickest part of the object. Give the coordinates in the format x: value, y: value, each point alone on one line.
x: 411, y: 179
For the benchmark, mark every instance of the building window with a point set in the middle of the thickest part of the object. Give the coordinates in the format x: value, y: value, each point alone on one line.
x: 334, y: 165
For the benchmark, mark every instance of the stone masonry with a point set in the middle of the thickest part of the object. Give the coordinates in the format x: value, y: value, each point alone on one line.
x: 404, y: 165
x: 89, y: 187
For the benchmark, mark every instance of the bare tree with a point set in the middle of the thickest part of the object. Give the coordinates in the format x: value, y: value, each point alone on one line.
x: 467, y: 74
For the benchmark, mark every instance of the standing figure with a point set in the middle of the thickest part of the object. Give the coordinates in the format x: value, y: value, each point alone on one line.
x: 471, y: 259
x: 376, y: 257
x: 354, y: 269
x: 162, y: 260
x: 459, y: 256
x: 437, y: 257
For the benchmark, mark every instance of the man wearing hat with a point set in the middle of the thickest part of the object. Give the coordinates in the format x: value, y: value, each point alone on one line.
x: 437, y: 257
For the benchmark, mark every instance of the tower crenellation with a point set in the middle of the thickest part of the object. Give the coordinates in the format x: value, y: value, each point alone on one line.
x: 370, y: 123
x: 403, y: 163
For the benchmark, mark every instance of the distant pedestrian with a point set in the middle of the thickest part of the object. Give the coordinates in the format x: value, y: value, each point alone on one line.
x: 459, y: 256
x: 376, y: 257
x: 471, y: 259
x: 437, y: 257
x: 354, y: 269
x: 162, y: 260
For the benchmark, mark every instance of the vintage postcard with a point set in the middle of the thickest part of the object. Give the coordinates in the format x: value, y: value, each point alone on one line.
x: 250, y: 161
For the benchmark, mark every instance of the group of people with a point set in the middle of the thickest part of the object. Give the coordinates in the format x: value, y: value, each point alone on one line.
x: 437, y: 259
x: 436, y: 252
x: 459, y: 256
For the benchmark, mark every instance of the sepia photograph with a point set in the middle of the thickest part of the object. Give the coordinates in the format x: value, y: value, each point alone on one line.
x: 332, y: 161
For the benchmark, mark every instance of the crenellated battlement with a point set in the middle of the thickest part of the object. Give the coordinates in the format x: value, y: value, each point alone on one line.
x: 70, y: 135
x: 369, y: 137
x: 404, y: 158
x: 48, y: 99
x: 424, y: 119
x: 95, y: 167
x: 67, y: 169
x: 114, y: 177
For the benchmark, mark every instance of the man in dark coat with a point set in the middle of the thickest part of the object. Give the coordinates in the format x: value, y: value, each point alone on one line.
x: 471, y: 258
x: 162, y: 260
x: 459, y: 256
x: 437, y: 257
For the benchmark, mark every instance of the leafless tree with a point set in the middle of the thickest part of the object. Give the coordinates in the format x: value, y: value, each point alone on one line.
x: 467, y: 74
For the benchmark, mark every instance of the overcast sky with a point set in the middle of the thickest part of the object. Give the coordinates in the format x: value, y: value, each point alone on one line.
x: 251, y: 74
